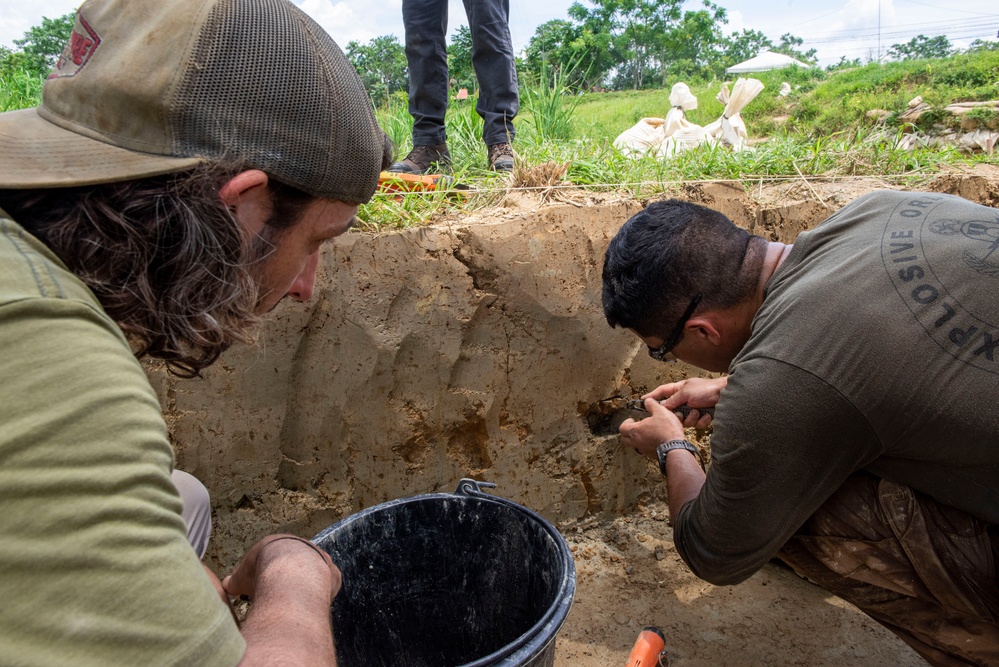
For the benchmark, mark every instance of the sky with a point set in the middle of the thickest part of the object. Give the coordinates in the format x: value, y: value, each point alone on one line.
x: 836, y: 28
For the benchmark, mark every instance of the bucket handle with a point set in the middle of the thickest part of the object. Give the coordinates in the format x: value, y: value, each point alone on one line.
x: 469, y: 487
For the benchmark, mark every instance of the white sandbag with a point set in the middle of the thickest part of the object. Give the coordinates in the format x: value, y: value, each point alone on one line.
x: 645, y: 135
x: 681, y: 100
x: 722, y: 95
x: 689, y: 137
x: 730, y: 129
x: 982, y: 138
x: 666, y: 149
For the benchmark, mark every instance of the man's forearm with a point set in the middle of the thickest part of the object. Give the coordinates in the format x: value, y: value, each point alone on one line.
x: 684, y: 479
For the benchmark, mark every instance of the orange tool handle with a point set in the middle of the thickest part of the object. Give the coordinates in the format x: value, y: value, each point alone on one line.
x: 401, y: 182
x: 650, y: 645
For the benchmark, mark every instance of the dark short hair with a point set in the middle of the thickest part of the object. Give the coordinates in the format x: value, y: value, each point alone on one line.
x: 669, y: 253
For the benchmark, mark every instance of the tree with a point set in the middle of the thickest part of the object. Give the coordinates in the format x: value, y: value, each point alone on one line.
x: 551, y: 50
x: 694, y: 47
x: 645, y: 43
x: 381, y: 64
x: 844, y: 63
x: 594, y: 50
x: 983, y: 45
x: 745, y: 45
x: 575, y: 54
x: 922, y: 46
x: 459, y: 59
x: 652, y: 41
x: 41, y: 45
x: 789, y: 47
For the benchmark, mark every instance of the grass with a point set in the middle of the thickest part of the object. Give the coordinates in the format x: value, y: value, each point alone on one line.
x: 19, y: 90
x: 551, y: 107
x: 820, y: 129
x: 843, y: 100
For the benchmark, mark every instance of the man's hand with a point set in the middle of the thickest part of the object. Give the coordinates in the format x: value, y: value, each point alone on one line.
x: 645, y: 435
x: 292, y: 583
x: 288, y: 552
x: 693, y: 392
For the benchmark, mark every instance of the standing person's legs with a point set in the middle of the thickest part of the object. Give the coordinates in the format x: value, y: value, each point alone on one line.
x: 924, y: 570
x: 492, y: 58
x: 197, y: 510
x: 425, y: 22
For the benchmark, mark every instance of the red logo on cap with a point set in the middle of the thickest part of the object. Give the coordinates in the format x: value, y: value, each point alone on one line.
x: 82, y: 44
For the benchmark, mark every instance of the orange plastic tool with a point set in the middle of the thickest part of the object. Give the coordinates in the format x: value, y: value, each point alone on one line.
x: 390, y: 181
x: 649, y: 648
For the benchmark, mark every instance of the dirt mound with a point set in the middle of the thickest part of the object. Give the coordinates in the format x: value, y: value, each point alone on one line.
x: 980, y: 185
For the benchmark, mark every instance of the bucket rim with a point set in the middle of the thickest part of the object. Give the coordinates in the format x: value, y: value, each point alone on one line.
x: 554, y: 617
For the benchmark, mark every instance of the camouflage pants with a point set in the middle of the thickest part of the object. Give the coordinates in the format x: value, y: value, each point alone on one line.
x: 923, y: 570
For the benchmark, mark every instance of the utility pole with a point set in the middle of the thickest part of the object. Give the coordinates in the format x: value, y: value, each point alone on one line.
x: 879, y: 32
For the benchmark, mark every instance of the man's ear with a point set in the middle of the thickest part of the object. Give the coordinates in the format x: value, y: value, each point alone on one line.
x: 240, y: 188
x: 704, y: 327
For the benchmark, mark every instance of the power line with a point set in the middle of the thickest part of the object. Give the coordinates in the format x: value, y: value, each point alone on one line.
x: 822, y: 16
x: 939, y: 27
x: 976, y: 31
x: 945, y: 9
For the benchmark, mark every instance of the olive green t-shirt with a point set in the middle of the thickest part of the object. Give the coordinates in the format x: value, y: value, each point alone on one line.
x: 876, y: 348
x: 95, y: 567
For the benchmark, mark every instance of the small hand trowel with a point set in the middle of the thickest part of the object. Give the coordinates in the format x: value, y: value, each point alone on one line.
x: 635, y: 409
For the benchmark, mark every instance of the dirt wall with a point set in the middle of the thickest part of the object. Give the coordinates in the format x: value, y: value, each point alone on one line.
x: 425, y: 356
x: 472, y: 349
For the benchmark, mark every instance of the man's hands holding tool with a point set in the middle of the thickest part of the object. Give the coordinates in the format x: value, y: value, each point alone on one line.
x: 645, y: 435
x: 662, y: 424
x: 696, y: 393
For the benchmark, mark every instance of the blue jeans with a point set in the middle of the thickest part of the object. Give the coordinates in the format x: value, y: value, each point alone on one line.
x: 425, y: 22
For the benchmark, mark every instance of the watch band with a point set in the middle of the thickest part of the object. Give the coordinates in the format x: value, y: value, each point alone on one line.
x: 676, y: 444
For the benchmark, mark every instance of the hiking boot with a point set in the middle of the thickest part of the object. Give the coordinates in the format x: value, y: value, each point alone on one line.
x: 423, y: 160
x: 501, y: 157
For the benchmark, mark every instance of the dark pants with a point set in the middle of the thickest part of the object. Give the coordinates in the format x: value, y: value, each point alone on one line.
x: 492, y: 57
x: 923, y: 570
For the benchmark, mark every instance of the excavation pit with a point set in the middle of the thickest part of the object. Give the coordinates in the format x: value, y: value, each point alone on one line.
x: 478, y: 349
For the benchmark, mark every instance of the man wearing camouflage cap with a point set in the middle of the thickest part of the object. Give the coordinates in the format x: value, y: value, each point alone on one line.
x: 186, y: 163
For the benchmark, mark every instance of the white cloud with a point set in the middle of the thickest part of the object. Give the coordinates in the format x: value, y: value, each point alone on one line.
x: 356, y: 20
x: 834, y: 27
x: 736, y: 22
x: 18, y: 16
x: 338, y: 19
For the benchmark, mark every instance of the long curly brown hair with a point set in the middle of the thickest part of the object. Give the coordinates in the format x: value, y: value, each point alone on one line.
x: 164, y: 256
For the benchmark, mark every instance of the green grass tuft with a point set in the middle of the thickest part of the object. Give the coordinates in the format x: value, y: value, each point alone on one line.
x: 821, y: 129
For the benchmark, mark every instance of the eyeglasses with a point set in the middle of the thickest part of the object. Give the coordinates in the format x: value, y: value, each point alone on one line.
x: 663, y: 352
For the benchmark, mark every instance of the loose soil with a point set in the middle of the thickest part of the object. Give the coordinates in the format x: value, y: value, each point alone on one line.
x: 629, y: 576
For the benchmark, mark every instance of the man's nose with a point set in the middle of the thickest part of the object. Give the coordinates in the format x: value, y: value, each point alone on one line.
x: 305, y: 284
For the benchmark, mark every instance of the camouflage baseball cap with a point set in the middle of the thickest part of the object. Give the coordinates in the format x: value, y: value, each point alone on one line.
x: 146, y: 88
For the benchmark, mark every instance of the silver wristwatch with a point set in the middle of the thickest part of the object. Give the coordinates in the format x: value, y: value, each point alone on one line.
x: 676, y: 444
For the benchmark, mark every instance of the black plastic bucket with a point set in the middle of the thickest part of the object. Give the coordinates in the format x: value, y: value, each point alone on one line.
x: 444, y: 580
